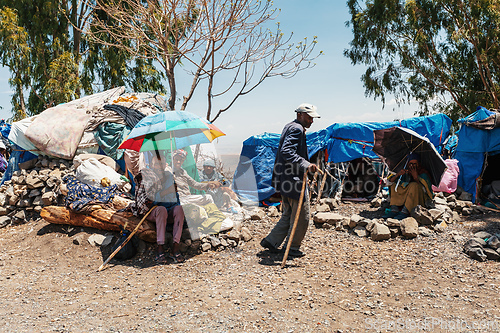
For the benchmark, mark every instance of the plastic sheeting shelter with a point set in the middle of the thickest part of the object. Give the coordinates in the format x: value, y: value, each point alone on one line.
x: 349, y: 141
x: 344, y: 142
x: 252, y: 178
x: 475, y: 142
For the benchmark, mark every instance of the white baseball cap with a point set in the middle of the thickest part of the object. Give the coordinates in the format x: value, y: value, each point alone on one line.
x: 309, y: 109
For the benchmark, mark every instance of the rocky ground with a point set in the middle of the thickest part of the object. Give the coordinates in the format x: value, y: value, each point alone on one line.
x: 345, y: 284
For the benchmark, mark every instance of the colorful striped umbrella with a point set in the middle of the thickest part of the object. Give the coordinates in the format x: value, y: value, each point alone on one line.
x: 170, y: 130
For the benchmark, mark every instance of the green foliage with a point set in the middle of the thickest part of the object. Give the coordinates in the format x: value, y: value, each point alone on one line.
x: 51, y: 62
x: 64, y: 83
x: 14, y: 54
x: 442, y: 53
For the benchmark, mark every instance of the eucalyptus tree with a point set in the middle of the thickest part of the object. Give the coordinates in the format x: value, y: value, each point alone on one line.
x: 442, y: 53
x: 51, y: 60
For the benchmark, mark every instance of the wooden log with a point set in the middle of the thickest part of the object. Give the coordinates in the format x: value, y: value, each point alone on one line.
x: 101, y: 219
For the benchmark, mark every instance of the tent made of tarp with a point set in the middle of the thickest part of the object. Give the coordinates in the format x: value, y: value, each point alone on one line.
x: 344, y: 142
x: 252, y: 178
x: 478, y: 138
x: 349, y: 141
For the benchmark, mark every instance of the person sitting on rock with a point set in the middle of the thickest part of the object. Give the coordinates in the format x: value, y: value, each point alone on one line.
x: 411, y: 187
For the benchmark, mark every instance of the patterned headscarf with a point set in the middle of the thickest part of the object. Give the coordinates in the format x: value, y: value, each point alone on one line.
x: 181, y: 153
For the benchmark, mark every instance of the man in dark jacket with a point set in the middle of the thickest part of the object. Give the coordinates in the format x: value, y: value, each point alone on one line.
x: 289, y: 167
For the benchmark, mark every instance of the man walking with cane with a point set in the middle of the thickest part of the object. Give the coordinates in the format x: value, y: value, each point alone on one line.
x: 292, y: 161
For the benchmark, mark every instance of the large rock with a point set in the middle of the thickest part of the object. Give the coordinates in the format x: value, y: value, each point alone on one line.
x: 34, y: 182
x: 355, y: 218
x: 380, y: 232
x: 13, y: 200
x: 234, y: 235
x: 465, y: 196
x: 376, y: 202
x: 52, y: 181
x: 473, y: 242
x: 23, y: 203
x: 48, y: 198
x: 440, y: 201
x: 425, y: 232
x: 3, y: 211
x: 20, y: 215
x: 206, y: 247
x: 476, y: 253
x: 257, y: 214
x: 331, y: 202
x: 214, y: 241
x: 493, y: 242
x: 436, y: 213
x: 409, y: 227
x: 4, y: 221
x: 37, y: 201
x: 467, y: 211
x: 323, y: 208
x: 491, y: 254
x: 99, y: 240
x: 273, y: 211
x: 393, y: 223
x: 422, y: 215
x: 330, y: 218
x: 482, y: 235
x: 246, y: 235
x: 395, y: 232
x: 363, y: 222
x: 79, y: 238
x: 360, y: 231
x: 441, y: 226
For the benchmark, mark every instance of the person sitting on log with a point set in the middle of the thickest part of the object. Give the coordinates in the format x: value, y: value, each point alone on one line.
x: 184, y: 182
x: 156, y: 186
x: 412, y: 189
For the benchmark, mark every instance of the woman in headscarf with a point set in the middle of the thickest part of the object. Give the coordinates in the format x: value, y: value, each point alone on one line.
x: 411, y: 187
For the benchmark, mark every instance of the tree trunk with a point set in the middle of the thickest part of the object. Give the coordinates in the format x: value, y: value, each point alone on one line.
x: 101, y: 219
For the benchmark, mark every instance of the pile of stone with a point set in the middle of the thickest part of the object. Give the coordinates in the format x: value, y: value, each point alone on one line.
x: 231, y: 239
x: 30, y: 189
x: 446, y: 209
x: 483, y: 246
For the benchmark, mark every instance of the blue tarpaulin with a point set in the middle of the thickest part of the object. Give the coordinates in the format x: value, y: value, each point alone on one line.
x: 354, y: 140
x: 344, y: 142
x: 252, y: 178
x: 473, y: 145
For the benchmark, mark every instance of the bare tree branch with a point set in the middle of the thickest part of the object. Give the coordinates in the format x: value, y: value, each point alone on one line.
x: 210, y: 39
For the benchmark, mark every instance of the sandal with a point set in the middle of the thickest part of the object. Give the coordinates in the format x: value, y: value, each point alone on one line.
x: 177, y: 258
x: 160, y: 258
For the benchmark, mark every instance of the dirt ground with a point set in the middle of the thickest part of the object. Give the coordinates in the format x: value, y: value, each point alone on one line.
x: 343, y: 284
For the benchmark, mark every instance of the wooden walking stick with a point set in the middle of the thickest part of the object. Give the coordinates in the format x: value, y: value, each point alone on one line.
x: 297, y: 214
x: 126, y: 241
x: 323, y: 181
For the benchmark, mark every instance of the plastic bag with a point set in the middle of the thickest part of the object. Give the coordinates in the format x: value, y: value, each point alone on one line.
x: 91, y: 172
x: 448, y: 182
x: 129, y: 250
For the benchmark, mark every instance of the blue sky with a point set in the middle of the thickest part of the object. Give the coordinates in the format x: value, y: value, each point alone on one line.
x: 333, y: 85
